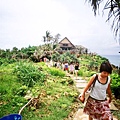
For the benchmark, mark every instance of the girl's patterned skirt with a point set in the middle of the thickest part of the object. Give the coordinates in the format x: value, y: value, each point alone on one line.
x: 98, y: 109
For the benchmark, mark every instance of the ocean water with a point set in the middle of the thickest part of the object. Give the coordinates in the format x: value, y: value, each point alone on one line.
x: 113, y: 59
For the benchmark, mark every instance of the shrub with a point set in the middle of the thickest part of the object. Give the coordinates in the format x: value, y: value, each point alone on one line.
x: 6, y: 61
x: 56, y: 72
x: 80, y: 72
x: 28, y: 74
x: 115, y: 86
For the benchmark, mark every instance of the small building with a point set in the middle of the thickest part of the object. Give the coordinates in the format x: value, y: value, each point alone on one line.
x: 65, y: 44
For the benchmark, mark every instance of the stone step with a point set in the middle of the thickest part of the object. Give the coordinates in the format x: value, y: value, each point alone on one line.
x: 81, y: 85
x: 80, y: 115
x: 112, y: 106
x: 80, y: 81
x: 80, y: 90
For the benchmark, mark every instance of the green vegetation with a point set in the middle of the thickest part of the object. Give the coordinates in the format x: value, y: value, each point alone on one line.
x: 56, y: 92
x: 115, y: 86
x: 28, y: 74
x: 22, y: 77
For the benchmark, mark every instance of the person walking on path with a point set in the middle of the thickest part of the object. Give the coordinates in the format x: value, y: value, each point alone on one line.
x: 76, y: 69
x: 97, y: 105
x: 71, y: 68
x: 66, y: 67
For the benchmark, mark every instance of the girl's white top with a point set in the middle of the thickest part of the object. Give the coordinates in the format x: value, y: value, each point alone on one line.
x: 72, y: 67
x: 99, y: 90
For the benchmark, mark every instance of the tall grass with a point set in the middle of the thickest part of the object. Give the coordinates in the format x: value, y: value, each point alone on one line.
x: 57, y: 94
x: 28, y: 74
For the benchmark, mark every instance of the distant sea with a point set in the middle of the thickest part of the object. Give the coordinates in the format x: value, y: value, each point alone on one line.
x: 113, y: 59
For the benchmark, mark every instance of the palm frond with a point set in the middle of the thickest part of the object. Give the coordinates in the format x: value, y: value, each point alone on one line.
x: 95, y: 4
x: 44, y: 39
x: 114, y: 13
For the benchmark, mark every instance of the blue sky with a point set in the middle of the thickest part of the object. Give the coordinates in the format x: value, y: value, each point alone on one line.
x: 24, y: 22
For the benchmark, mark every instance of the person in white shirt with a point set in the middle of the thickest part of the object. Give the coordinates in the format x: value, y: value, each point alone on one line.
x: 71, y: 68
x: 97, y: 105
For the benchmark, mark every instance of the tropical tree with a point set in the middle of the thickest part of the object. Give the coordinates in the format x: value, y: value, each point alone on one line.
x: 50, y: 41
x: 2, y: 53
x: 8, y: 53
x: 113, y: 7
x: 48, y: 37
x: 14, y: 52
x: 55, y: 40
x: 81, y: 50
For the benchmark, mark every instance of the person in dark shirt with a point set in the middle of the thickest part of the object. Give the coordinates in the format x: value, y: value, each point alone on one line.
x: 76, y: 69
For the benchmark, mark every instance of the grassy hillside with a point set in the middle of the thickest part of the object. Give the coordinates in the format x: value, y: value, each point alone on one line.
x: 54, y: 95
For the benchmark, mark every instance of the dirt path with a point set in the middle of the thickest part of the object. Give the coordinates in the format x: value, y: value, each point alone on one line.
x: 80, y: 84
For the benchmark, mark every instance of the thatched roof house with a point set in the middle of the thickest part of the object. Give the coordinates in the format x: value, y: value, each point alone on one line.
x: 65, y: 44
